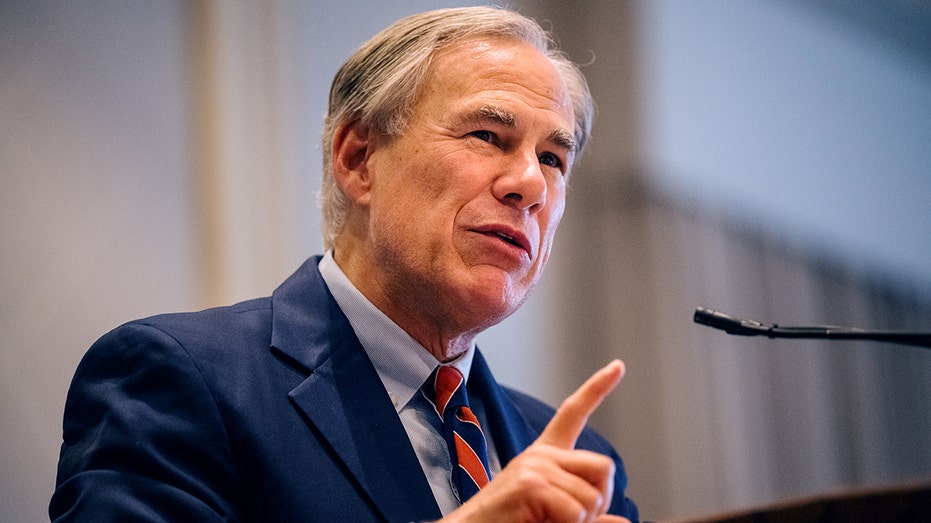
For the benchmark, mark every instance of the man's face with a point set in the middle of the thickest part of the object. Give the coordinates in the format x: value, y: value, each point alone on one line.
x: 464, y: 205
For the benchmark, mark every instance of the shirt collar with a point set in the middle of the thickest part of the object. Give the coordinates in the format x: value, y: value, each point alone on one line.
x: 402, y: 363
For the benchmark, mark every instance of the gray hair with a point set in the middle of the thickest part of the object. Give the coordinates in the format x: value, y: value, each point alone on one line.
x: 379, y: 84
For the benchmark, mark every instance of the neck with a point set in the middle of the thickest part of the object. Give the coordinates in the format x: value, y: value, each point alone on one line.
x: 443, y: 349
x: 434, y: 333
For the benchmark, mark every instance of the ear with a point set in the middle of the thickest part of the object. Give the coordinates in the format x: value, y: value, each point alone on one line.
x: 351, y: 148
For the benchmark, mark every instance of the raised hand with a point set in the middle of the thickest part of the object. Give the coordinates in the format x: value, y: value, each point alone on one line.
x: 552, y: 481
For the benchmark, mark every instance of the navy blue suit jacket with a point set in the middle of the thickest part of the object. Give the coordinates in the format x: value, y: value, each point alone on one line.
x: 268, y: 410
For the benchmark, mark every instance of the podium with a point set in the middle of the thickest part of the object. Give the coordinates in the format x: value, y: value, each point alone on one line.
x: 903, y: 504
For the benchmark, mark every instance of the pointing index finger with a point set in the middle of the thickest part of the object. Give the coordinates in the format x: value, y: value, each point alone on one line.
x: 567, y: 424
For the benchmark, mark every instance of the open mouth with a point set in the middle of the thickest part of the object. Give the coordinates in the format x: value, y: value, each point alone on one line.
x: 509, y: 236
x: 508, y: 239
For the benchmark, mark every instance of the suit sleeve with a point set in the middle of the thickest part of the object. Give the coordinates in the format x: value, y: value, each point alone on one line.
x: 143, y: 439
x: 620, y: 503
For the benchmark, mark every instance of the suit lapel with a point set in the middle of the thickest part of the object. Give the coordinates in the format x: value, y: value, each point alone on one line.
x: 509, y: 429
x: 345, y: 400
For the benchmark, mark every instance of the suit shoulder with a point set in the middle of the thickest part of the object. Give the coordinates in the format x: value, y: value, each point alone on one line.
x: 217, y: 323
x: 211, y: 315
x: 211, y: 332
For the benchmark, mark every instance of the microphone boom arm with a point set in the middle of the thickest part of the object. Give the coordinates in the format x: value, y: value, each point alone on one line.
x: 740, y: 327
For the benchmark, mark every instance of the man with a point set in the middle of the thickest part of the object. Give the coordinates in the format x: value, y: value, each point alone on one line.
x: 448, y: 145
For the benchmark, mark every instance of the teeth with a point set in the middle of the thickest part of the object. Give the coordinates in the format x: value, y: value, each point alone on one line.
x: 507, y: 238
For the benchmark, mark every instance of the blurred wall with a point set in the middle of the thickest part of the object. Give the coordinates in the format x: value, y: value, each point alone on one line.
x: 95, y: 206
x: 810, y: 118
x: 769, y: 159
x: 166, y: 156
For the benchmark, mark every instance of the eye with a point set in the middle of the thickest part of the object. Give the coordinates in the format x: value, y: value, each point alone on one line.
x: 551, y: 160
x: 485, y: 136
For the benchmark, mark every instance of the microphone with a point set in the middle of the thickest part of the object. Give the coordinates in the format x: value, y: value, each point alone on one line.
x: 740, y: 327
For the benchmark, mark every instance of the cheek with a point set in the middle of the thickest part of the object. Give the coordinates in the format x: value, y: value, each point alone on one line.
x: 554, y: 216
x: 412, y: 219
x: 548, y: 227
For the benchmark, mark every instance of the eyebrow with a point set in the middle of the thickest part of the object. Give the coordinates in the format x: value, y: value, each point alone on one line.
x: 564, y: 138
x: 497, y: 114
x: 558, y: 136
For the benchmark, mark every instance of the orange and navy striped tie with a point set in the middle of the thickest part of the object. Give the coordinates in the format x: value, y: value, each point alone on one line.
x: 461, y: 429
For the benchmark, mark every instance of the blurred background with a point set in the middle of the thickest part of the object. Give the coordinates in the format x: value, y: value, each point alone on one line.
x: 766, y: 158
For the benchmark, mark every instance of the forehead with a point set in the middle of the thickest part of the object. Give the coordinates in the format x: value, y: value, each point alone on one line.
x: 497, y: 71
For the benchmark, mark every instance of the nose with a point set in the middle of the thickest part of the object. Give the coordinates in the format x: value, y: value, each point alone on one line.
x: 522, y: 183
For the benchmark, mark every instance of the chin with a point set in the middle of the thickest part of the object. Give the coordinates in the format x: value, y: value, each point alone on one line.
x: 497, y: 303
x: 495, y: 290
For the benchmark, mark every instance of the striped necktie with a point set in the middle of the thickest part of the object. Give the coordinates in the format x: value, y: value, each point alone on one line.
x: 446, y: 391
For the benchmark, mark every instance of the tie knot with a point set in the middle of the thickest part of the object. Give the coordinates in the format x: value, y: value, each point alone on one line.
x: 447, y: 387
